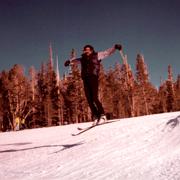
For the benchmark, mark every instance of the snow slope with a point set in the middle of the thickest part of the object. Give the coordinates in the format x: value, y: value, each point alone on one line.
x: 146, y: 147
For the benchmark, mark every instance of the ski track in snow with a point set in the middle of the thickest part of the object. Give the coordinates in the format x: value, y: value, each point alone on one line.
x: 146, y: 147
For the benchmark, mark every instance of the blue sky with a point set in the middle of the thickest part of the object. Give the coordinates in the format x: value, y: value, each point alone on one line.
x: 149, y: 27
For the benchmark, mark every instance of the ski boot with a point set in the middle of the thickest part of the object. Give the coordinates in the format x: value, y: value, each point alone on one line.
x: 102, y: 119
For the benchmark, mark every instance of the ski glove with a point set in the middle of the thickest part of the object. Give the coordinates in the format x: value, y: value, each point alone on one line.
x: 118, y: 46
x: 67, y: 63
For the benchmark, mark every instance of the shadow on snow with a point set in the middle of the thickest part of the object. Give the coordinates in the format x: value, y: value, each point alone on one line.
x: 65, y: 147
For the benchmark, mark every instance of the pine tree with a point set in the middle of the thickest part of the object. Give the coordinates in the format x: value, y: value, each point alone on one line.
x: 170, y: 101
x: 145, y: 92
x: 41, y: 98
x: 177, y: 93
x: 142, y: 78
x: 6, y: 120
x: 162, y: 98
x: 114, y: 92
x: 49, y: 95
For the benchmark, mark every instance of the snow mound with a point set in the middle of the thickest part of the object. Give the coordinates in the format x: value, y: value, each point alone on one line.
x: 146, y: 147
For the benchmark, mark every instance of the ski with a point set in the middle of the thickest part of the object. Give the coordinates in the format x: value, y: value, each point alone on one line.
x: 82, y: 130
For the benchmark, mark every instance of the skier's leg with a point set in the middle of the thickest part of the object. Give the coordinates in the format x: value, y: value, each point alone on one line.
x: 94, y: 88
x: 101, y: 114
x: 89, y: 97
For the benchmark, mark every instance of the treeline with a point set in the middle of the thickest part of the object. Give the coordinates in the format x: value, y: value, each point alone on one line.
x: 42, y: 99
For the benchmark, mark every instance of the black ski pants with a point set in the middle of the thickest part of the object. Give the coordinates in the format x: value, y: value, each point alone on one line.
x: 91, y: 85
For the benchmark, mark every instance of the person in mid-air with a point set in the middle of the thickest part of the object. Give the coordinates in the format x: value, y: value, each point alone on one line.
x: 90, y: 67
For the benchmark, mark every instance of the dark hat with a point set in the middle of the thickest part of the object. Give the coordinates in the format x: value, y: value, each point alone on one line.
x: 89, y: 46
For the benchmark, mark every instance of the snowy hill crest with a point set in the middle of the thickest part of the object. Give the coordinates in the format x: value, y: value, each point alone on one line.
x: 146, y: 147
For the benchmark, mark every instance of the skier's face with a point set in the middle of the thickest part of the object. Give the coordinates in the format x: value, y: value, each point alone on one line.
x: 87, y: 51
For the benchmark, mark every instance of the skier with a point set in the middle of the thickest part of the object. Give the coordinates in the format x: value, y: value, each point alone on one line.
x: 90, y: 67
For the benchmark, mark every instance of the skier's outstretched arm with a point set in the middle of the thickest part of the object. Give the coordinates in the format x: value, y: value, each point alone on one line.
x: 108, y: 52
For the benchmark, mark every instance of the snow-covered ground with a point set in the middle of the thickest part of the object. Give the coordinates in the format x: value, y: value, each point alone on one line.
x: 140, y: 148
